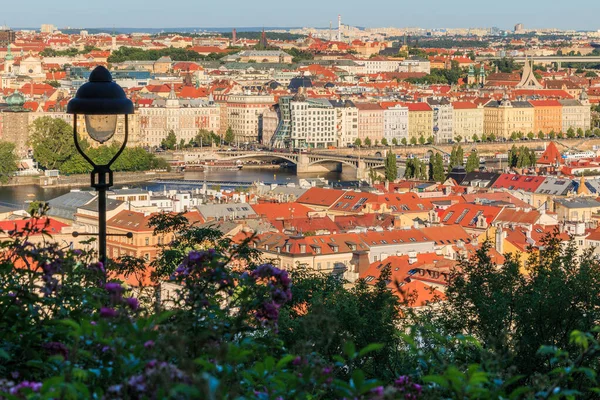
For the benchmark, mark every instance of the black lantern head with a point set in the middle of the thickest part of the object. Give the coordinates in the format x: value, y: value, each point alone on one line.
x: 101, y: 101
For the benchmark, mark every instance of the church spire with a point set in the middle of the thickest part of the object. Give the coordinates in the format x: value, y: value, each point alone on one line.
x: 9, y: 55
x: 528, y: 79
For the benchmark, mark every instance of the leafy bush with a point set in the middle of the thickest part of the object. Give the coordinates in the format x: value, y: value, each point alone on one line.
x: 218, y: 322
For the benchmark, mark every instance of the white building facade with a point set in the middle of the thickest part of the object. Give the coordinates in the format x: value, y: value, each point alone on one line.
x: 395, y: 124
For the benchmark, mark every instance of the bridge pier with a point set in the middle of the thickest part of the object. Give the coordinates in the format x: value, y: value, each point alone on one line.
x: 361, y: 171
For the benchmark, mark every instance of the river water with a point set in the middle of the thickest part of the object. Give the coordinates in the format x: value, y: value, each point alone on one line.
x: 19, y: 195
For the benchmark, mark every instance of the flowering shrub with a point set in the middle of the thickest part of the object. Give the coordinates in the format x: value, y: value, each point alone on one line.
x: 221, y: 323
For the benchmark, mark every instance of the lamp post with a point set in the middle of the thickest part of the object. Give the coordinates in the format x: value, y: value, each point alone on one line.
x: 101, y: 101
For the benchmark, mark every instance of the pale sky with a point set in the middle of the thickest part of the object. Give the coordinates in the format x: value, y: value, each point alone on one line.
x: 582, y: 15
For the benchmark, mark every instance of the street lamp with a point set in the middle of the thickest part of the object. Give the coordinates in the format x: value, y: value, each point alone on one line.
x: 101, y: 101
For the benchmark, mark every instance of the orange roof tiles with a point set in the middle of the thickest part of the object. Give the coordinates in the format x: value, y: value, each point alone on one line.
x: 320, y: 197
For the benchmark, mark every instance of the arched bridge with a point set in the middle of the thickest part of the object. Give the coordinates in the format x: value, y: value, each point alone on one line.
x: 305, y: 162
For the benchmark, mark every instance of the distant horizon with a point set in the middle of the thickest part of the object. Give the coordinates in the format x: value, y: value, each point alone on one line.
x: 435, y: 14
x: 188, y: 29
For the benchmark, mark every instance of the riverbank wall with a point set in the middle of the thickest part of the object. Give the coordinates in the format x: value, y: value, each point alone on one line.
x: 119, y: 178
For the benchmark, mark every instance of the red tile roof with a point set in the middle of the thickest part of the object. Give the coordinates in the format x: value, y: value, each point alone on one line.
x: 36, y: 226
x: 273, y: 211
x: 545, y: 103
x: 551, y: 156
x: 418, y: 107
x: 320, y: 197
x: 527, y: 183
x: 466, y: 215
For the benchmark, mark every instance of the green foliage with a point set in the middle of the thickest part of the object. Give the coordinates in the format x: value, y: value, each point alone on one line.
x: 169, y: 142
x: 358, y: 142
x: 391, y: 168
x: 421, y: 139
x: 458, y: 138
x: 229, y: 136
x: 53, y: 148
x: 530, y: 135
x: 506, y: 65
x: 413, y: 140
x: 472, y: 162
x: 415, y: 169
x: 517, y: 314
x: 52, y: 142
x: 229, y: 325
x: 8, y: 165
x: 299, y: 55
x: 439, y: 76
x: 384, y: 142
x: 395, y: 141
x: 456, y: 157
x: 521, y: 157
x: 270, y: 35
x: 207, y: 138
x: 367, y: 142
x: 436, y: 168
x: 136, y: 54
x: 132, y: 159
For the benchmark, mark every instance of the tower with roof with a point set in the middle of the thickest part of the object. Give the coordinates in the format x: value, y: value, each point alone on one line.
x: 471, y: 77
x: 9, y: 60
x: 482, y: 77
x: 263, y: 44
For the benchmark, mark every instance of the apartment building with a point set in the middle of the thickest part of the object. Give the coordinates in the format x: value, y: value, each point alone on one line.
x: 184, y: 117
x: 420, y: 121
x: 547, y: 116
x: 370, y: 122
x: 395, y: 122
x: 313, y: 123
x: 502, y: 118
x: 467, y: 119
x: 243, y: 115
x: 443, y: 117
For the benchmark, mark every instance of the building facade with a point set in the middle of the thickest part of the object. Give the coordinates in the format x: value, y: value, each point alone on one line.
x: 395, y: 123
x: 243, y: 115
x: 370, y: 122
x: 184, y: 118
x: 547, y: 116
x: 575, y: 114
x: 313, y: 123
x: 502, y: 118
x: 443, y: 117
x: 420, y: 121
x: 467, y: 120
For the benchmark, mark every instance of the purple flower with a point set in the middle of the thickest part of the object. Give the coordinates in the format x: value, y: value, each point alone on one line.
x: 56, y: 348
x: 326, y: 371
x: 106, y: 312
x: 114, y: 288
x: 33, y: 386
x: 378, y: 391
x: 297, y: 361
x: 132, y: 303
x: 149, y: 344
x: 98, y: 266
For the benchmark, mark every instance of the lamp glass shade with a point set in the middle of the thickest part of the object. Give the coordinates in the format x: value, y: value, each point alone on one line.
x: 101, y: 128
